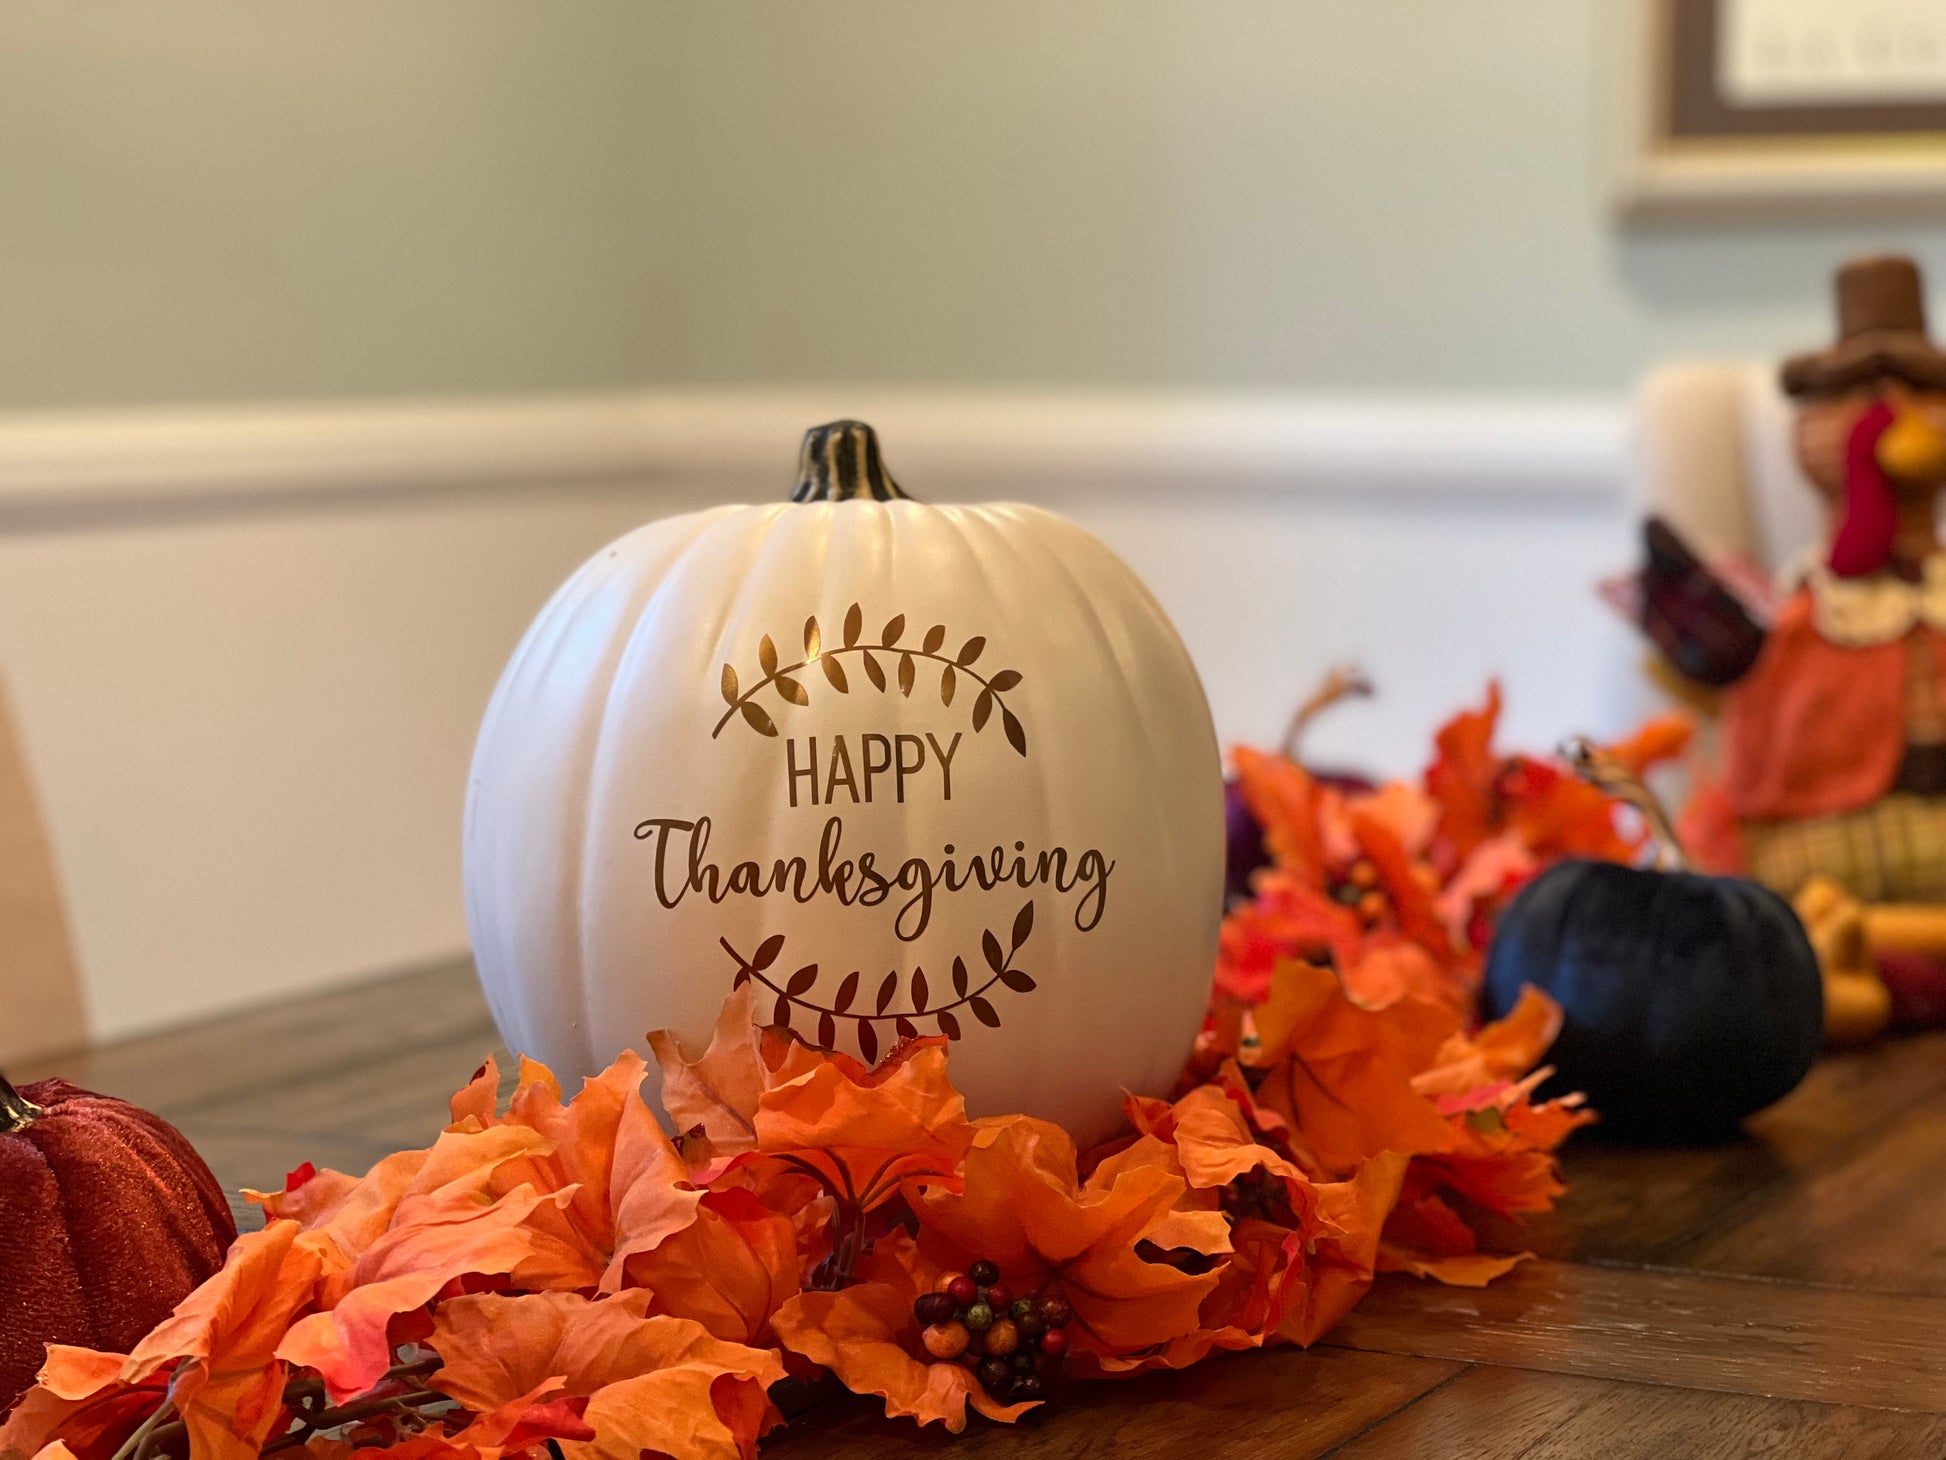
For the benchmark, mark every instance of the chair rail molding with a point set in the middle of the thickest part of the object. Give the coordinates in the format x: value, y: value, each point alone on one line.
x: 72, y: 469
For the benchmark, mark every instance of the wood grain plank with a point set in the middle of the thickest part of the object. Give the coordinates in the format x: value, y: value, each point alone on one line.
x: 1643, y: 1205
x: 362, y: 1026
x: 1282, y: 1402
x: 1873, y: 1217
x: 1689, y: 1330
x: 1498, y: 1414
x: 401, y: 1101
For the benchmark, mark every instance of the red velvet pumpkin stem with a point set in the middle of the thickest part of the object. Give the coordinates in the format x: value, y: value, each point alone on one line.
x: 17, y: 1112
x: 1603, y: 771
x: 1341, y: 682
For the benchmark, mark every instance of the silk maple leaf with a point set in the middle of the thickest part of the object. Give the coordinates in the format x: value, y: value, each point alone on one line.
x: 730, y: 1270
x: 866, y: 1334
x: 1023, y: 1207
x: 652, y: 1383
x: 628, y: 1189
x: 1342, y: 1075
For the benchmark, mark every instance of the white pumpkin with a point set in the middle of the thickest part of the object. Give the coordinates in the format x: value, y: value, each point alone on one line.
x: 909, y: 769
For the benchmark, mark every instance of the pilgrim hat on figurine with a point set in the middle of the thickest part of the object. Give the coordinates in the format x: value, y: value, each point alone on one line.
x: 1881, y: 334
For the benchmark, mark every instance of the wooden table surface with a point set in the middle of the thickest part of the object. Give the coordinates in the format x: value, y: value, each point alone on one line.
x: 1784, y: 1295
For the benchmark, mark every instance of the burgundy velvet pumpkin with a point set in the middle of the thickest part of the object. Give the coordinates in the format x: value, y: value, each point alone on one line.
x: 108, y: 1218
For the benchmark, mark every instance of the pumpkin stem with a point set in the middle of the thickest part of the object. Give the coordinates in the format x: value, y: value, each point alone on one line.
x: 1603, y: 771
x: 839, y: 461
x: 17, y: 1112
x: 1341, y: 682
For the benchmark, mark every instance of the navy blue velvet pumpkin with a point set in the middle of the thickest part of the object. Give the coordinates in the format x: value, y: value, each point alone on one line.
x: 1688, y: 1002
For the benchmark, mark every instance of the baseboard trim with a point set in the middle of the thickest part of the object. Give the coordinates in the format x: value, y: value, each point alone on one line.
x: 77, y: 468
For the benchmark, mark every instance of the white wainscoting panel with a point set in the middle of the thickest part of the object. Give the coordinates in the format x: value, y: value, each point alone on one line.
x: 248, y: 651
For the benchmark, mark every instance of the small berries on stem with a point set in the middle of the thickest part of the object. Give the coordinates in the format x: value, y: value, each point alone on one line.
x: 1011, y: 1344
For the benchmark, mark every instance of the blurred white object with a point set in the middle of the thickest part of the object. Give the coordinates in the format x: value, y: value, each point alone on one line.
x: 1713, y: 458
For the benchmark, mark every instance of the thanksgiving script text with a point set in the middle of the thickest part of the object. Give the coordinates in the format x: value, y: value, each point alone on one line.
x: 683, y: 866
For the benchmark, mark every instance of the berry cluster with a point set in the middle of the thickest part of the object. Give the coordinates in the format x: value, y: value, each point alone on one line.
x: 1358, y: 890
x: 1012, y: 1344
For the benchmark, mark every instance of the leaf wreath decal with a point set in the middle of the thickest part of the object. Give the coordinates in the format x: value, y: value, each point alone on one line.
x: 791, y: 688
x: 793, y: 993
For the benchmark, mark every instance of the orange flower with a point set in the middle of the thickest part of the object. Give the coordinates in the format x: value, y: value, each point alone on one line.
x: 650, y: 1382
x: 867, y: 1336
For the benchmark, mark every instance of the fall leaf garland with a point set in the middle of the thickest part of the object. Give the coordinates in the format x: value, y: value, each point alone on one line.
x: 563, y: 1277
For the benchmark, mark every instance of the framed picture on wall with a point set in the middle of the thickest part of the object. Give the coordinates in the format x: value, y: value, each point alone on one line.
x: 1781, y: 105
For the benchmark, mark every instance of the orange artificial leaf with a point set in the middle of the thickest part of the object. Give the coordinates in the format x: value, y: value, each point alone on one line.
x: 718, y: 1093
x: 651, y: 1382
x: 79, y: 1401
x: 230, y: 1392
x: 435, y: 1239
x: 1023, y: 1207
x: 730, y: 1270
x: 1340, y: 1273
x: 1412, y: 904
x: 1503, y: 1050
x: 866, y: 1134
x: 1342, y: 1075
x: 867, y: 1336
x: 1426, y: 1237
x: 627, y: 1188
x: 1661, y: 739
x: 1463, y: 775
x: 348, y: 1214
x: 1285, y: 800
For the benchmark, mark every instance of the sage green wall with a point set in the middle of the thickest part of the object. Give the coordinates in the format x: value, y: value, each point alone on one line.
x: 1387, y: 194
x: 249, y: 199
x: 216, y: 200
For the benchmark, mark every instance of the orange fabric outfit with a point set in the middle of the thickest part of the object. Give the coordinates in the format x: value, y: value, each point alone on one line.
x: 1817, y: 728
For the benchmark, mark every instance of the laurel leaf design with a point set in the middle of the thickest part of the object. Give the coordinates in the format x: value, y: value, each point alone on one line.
x: 982, y: 708
x: 906, y: 675
x: 767, y: 952
x: 781, y: 1014
x: 990, y: 945
x: 907, y: 1029
x: 868, y: 1041
x: 759, y: 721
x: 959, y: 976
x: 802, y: 980
x: 1016, y: 736
x: 872, y: 671
x: 948, y: 1025
x: 729, y: 685
x: 742, y: 978
x: 948, y: 682
x: 984, y: 1012
x: 835, y: 672
x: 1023, y: 925
x: 1005, y: 680
x: 828, y: 1031
x: 970, y: 650
x: 886, y: 990
x: 935, y: 636
x: 767, y: 654
x: 813, y: 639
x: 847, y: 991
x: 791, y: 690
x: 893, y: 630
x: 1019, y: 982
x: 920, y: 993
x: 854, y: 621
